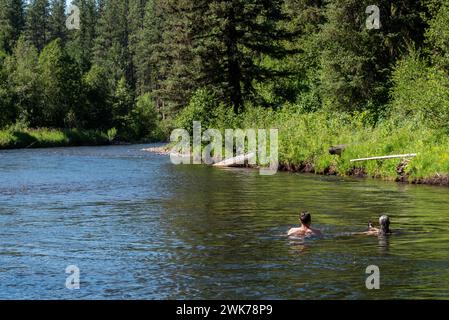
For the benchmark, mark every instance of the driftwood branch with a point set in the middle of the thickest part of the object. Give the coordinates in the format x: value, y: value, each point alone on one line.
x: 239, y: 160
x: 412, y: 155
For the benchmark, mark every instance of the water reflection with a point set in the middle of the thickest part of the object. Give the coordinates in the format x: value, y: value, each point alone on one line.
x: 301, y: 247
x: 384, y: 243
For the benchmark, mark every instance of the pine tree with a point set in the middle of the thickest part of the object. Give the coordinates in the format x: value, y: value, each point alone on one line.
x: 57, y: 21
x: 234, y: 39
x: 356, y: 62
x: 81, y: 42
x: 136, y: 14
x: 147, y: 56
x: 305, y: 21
x: 112, y: 43
x: 148, y: 36
x: 37, y: 23
x: 178, y: 66
x: 12, y: 23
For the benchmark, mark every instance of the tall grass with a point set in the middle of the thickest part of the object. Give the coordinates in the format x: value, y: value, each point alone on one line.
x: 304, y: 141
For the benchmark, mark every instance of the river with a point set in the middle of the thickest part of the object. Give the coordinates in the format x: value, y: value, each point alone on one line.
x: 138, y: 227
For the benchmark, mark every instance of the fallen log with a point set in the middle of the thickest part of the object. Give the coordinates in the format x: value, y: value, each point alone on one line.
x: 236, y: 161
x: 411, y: 155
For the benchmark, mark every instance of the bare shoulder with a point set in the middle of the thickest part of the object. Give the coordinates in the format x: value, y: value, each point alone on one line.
x: 295, y: 232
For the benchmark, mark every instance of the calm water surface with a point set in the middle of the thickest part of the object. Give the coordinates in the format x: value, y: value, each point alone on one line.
x: 141, y: 228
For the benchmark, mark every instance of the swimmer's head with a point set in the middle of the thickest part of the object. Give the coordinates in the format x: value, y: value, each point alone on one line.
x: 306, y: 218
x: 384, y: 223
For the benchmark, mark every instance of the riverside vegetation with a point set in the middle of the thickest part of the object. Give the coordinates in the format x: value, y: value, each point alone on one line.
x: 137, y: 69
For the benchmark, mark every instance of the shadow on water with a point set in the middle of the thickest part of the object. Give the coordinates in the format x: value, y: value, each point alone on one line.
x: 139, y: 227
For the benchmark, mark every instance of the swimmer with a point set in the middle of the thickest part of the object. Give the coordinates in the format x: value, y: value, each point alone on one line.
x: 384, y: 223
x: 304, y: 230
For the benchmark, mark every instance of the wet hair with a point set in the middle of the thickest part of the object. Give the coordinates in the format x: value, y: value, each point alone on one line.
x: 305, y: 218
x: 384, y: 222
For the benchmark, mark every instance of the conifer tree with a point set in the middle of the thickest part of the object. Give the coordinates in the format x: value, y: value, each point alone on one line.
x: 57, y: 21
x: 234, y: 39
x: 149, y: 53
x: 173, y: 50
x: 112, y: 42
x: 12, y: 23
x: 81, y: 43
x: 37, y: 23
x: 136, y: 15
x: 357, y: 61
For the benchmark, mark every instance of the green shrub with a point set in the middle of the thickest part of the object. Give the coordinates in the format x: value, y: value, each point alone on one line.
x: 143, y: 118
x: 200, y: 108
x: 421, y: 91
x: 112, y: 134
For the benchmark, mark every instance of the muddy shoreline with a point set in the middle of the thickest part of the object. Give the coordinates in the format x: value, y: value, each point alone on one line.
x: 357, y: 172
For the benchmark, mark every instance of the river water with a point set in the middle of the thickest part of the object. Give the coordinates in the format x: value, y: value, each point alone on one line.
x: 138, y: 227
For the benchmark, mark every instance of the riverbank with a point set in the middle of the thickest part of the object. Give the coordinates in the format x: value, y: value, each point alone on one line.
x: 356, y: 171
x: 46, y: 138
x: 305, y: 139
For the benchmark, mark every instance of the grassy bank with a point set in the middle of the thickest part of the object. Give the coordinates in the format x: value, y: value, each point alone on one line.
x: 305, y: 138
x: 305, y: 141
x: 43, y: 138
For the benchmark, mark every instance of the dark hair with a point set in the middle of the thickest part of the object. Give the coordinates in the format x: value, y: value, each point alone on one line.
x: 305, y: 218
x: 384, y: 222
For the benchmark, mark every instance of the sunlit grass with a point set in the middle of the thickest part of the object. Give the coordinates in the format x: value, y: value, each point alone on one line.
x: 38, y: 138
x: 304, y: 140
